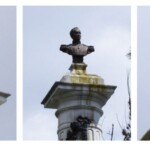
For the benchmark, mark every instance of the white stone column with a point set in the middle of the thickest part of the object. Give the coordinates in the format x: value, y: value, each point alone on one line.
x: 78, y: 95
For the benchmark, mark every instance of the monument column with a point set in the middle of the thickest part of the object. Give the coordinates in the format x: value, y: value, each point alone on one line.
x: 78, y: 96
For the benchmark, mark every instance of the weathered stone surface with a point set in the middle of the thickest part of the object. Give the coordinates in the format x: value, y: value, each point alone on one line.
x: 79, y: 75
x: 61, y: 91
x: 72, y: 100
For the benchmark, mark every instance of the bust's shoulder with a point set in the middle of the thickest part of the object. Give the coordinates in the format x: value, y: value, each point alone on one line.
x: 84, y: 45
x: 69, y: 45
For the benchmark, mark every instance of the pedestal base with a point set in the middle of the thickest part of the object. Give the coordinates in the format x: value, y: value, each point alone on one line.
x: 78, y: 95
x: 73, y: 100
x: 79, y: 75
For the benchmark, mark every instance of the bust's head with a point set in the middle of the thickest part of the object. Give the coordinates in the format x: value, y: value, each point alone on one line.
x: 75, y: 33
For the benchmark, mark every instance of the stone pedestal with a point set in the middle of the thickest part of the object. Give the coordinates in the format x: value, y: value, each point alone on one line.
x: 78, y: 98
x: 3, y: 97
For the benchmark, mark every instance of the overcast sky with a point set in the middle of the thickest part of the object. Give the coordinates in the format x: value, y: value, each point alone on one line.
x: 45, y: 29
x: 143, y: 70
x: 8, y: 72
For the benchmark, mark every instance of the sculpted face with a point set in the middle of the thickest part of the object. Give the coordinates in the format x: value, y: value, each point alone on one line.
x: 76, y: 49
x: 75, y: 33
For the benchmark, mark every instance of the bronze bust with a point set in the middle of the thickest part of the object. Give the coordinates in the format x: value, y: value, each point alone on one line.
x: 76, y: 49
